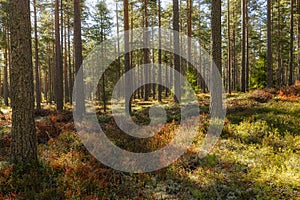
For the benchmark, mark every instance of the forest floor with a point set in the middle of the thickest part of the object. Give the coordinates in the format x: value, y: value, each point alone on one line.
x: 257, y: 156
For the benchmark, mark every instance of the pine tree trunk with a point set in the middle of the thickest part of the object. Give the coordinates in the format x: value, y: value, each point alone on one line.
x: 127, y: 55
x: 80, y: 104
x: 215, y: 83
x: 159, y: 53
x: 243, y: 72
x: 229, y: 47
x: 177, y: 63
x: 291, y: 72
x: 23, y: 146
x: 146, y: 51
x: 298, y: 13
x: 36, y: 49
x: 5, y: 73
x: 269, y: 46
x: 58, y: 61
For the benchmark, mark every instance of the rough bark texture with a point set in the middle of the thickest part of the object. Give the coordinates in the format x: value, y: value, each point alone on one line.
x: 215, y: 83
x: 23, y: 146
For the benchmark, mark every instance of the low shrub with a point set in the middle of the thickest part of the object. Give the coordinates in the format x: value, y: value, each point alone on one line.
x: 262, y: 96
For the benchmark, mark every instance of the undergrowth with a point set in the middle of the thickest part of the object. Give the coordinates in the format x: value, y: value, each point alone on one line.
x: 257, y: 157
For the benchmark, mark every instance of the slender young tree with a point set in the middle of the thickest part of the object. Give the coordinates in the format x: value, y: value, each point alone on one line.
x: 5, y: 69
x: 229, y: 47
x: 177, y: 65
x: 247, y: 70
x: 291, y: 70
x: 23, y: 146
x: 58, y: 61
x: 243, y: 73
x: 146, y: 51
x: 269, y: 46
x: 159, y: 53
x: 36, y: 51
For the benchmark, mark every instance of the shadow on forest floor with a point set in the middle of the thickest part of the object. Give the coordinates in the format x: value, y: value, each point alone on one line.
x: 257, y: 157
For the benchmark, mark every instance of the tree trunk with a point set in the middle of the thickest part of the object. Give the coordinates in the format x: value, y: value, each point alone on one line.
x: 66, y: 67
x: 80, y: 104
x: 5, y: 73
x: 36, y: 51
x: 71, y: 80
x: 229, y: 47
x: 298, y: 13
x: 291, y: 73
x: 58, y: 61
x: 269, y: 46
x: 127, y: 55
x: 146, y: 51
x: 247, y: 70
x: 159, y: 53
x: 177, y: 63
x: 243, y: 73
x: 23, y: 146
x: 215, y: 83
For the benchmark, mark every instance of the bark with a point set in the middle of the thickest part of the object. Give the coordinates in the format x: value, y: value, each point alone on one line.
x: 291, y: 72
x: 36, y: 49
x: 229, y: 46
x: 23, y: 146
x: 146, y: 51
x: 5, y: 74
x: 269, y: 46
x: 243, y: 73
x: 177, y: 65
x: 298, y: 13
x: 216, y: 84
x: 159, y: 53
x: 58, y: 61
x: 127, y: 55
x: 80, y: 104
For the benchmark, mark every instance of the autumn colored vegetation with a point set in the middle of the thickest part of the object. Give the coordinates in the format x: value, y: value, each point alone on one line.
x: 256, y: 157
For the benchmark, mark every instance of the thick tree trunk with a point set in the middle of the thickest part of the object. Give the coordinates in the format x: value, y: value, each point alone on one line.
x: 215, y: 83
x: 23, y: 146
